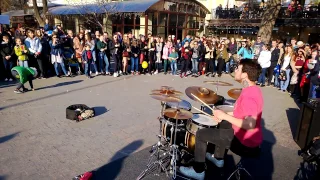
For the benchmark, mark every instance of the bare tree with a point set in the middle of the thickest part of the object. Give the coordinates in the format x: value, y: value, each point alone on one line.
x: 269, y: 18
x: 10, y: 5
x: 94, y: 12
x: 40, y: 17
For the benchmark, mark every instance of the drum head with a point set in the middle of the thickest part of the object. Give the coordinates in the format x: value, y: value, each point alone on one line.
x: 225, y: 108
x: 181, y: 105
x: 204, y: 120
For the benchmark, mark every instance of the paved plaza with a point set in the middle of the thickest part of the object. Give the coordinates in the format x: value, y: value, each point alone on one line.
x: 38, y: 142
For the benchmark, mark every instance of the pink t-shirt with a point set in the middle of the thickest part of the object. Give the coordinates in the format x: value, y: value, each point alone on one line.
x: 249, y: 103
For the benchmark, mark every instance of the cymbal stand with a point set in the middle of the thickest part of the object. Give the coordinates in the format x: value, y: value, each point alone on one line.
x: 173, y: 163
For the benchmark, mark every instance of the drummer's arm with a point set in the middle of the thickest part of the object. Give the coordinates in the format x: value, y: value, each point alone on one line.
x: 247, y: 123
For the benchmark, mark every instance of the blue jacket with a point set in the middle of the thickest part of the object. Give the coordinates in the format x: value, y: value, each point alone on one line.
x: 33, y: 45
x: 245, y: 53
x: 55, y: 49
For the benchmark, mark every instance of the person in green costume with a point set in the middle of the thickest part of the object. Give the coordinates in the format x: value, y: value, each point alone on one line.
x: 22, y: 75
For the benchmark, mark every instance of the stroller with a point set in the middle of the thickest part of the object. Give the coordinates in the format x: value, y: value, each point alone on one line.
x: 68, y: 55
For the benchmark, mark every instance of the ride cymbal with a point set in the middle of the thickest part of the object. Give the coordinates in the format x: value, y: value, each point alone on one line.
x: 206, y: 95
x: 178, y: 114
x: 165, y: 98
x: 234, y: 93
x: 218, y: 83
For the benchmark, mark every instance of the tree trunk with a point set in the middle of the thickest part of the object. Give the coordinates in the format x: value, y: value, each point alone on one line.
x: 36, y: 13
x: 269, y: 18
x: 45, y: 8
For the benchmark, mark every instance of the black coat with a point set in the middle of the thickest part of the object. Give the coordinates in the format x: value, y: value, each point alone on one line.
x: 275, y: 56
x: 6, y: 49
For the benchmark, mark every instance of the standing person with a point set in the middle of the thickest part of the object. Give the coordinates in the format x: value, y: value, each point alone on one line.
x: 265, y: 61
x: 158, y: 55
x: 56, y: 55
x: 115, y: 47
x: 22, y: 75
x: 87, y: 57
x: 6, y: 51
x: 285, y: 68
x: 34, y: 46
x: 246, y: 52
x: 165, y: 56
x: 275, y: 54
x: 21, y: 52
x: 195, y: 58
x: 258, y: 47
x: 185, y: 59
x: 135, y: 52
x: 78, y: 44
x: 209, y: 58
x: 91, y: 42
x: 143, y: 46
x: 125, y: 53
x: 222, y: 57
x: 173, y: 58
x: 102, y: 48
x: 314, y: 66
x: 240, y: 130
x: 151, y: 55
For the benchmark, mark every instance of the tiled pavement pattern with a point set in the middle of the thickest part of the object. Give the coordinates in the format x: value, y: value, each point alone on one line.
x: 38, y: 142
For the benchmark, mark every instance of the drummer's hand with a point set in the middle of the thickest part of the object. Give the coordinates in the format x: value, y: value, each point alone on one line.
x: 219, y: 114
x: 216, y: 119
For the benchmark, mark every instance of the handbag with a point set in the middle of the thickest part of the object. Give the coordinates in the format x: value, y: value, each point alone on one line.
x: 294, y: 79
x: 283, y: 76
x: 125, y: 54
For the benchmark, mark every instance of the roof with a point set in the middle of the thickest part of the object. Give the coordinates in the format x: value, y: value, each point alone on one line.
x: 4, y: 19
x: 136, y: 6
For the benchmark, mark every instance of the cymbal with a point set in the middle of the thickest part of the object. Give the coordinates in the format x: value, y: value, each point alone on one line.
x: 167, y: 92
x: 234, y: 93
x: 178, y: 113
x: 165, y: 98
x: 218, y: 83
x: 206, y: 95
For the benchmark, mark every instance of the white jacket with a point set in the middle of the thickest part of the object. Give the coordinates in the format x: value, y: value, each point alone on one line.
x: 264, y: 59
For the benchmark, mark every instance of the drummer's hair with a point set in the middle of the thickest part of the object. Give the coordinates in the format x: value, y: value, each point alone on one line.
x: 252, y: 68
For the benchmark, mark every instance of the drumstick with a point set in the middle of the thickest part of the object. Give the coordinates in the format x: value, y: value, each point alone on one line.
x: 201, y: 111
x: 202, y: 102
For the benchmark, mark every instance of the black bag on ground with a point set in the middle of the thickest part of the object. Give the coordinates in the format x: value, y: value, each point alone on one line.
x: 79, y: 112
x: 312, y: 152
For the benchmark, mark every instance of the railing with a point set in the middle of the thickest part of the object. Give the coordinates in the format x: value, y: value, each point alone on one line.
x: 257, y: 13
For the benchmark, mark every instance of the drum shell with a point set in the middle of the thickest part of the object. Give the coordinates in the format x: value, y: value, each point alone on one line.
x: 193, y: 126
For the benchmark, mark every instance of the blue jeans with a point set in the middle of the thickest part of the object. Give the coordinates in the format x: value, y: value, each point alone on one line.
x: 262, y: 77
x: 62, y: 67
x: 8, y: 64
x: 23, y: 63
x: 195, y: 64
x: 174, y: 67
x: 87, y: 67
x: 134, y: 64
x: 284, y: 84
x: 227, y: 67
x: 276, y: 80
x: 103, y: 58
x: 313, y: 93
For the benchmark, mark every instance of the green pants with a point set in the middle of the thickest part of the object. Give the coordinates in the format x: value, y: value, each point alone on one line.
x: 165, y: 65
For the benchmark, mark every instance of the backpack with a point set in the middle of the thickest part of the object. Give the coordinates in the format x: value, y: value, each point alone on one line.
x: 312, y: 152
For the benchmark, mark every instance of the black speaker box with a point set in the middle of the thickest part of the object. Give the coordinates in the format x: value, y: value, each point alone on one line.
x: 308, y: 125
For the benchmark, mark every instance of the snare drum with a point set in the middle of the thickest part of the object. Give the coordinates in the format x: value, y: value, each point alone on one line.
x: 200, y: 121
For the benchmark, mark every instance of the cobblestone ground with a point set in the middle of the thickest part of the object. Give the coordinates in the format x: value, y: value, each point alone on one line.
x: 38, y: 142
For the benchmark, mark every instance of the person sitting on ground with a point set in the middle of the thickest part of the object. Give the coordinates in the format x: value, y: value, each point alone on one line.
x: 23, y: 74
x: 238, y: 130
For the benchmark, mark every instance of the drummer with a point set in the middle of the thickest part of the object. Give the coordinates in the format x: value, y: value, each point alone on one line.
x: 238, y: 130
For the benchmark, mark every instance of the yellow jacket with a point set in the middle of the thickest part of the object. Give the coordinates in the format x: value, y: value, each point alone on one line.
x: 18, y: 50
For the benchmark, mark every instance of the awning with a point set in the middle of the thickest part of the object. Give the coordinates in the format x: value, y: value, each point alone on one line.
x: 4, y: 19
x: 136, y: 6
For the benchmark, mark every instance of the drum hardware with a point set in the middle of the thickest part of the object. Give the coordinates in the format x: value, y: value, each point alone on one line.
x: 202, y: 93
x: 234, y: 93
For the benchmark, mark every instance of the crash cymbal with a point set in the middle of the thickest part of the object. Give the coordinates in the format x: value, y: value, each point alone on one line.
x: 206, y: 95
x: 234, y: 93
x: 167, y: 92
x: 178, y: 114
x: 165, y: 98
x: 218, y: 83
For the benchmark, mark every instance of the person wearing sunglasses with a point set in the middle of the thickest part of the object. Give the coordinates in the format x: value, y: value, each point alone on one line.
x: 56, y: 55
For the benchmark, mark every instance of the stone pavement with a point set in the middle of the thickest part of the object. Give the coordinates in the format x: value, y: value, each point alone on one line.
x: 38, y: 142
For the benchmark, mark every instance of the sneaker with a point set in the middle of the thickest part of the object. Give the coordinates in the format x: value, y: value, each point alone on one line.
x: 115, y: 74
x: 97, y: 73
x: 6, y: 79
x: 17, y: 91
x: 191, y: 173
x: 10, y: 79
x: 218, y: 163
x: 156, y: 72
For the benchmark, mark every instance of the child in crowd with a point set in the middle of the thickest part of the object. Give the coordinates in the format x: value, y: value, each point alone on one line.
x: 87, y: 58
x: 21, y: 51
x: 173, y: 57
x: 6, y: 51
x: 23, y: 75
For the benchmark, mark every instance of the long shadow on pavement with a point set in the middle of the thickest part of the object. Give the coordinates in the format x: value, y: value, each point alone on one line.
x: 99, y: 110
x: 60, y: 84
x: 113, y: 169
x: 8, y: 137
x: 3, y: 177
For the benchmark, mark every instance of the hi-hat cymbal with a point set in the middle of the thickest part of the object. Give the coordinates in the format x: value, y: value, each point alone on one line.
x: 206, y: 95
x: 165, y: 98
x: 167, y: 92
x: 218, y: 83
x: 234, y: 93
x: 178, y: 114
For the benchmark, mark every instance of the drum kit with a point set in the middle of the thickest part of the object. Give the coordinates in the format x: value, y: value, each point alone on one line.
x: 179, y: 126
